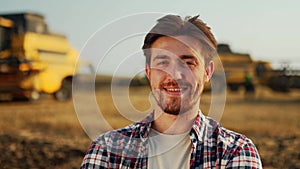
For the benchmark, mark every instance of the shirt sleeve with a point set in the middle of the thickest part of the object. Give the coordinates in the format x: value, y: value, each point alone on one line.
x: 245, y: 156
x: 96, y: 157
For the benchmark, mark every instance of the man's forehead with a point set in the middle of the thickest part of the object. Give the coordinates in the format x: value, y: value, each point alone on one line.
x: 177, y: 45
x: 182, y: 41
x: 186, y: 40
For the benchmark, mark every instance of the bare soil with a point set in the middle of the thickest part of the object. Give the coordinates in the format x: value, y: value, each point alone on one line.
x: 48, y: 134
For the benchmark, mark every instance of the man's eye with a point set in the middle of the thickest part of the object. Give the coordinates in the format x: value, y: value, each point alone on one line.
x: 162, y: 63
x: 190, y: 63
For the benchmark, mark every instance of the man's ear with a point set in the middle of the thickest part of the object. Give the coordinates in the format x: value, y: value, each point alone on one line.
x: 209, y: 70
x: 147, y: 70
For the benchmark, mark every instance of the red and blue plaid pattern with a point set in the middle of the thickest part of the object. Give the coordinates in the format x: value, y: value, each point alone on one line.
x: 212, y: 147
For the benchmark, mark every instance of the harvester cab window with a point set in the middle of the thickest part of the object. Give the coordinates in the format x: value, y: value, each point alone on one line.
x: 5, y: 33
x: 27, y: 22
x: 36, y: 24
x: 5, y: 38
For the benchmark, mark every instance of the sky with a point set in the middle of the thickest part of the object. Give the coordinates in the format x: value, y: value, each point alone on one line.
x: 266, y: 29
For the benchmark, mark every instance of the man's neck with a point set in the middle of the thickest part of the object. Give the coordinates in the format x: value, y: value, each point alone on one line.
x: 174, y: 124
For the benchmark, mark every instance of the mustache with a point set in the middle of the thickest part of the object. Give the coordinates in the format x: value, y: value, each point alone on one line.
x: 175, y: 83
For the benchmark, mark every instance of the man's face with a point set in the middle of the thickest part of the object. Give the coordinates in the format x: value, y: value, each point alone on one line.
x: 177, y: 73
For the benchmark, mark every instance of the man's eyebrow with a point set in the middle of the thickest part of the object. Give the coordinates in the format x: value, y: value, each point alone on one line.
x: 161, y: 57
x: 187, y: 57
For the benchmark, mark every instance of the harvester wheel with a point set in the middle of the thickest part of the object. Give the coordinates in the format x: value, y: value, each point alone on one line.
x: 65, y: 92
x: 34, y: 96
x: 233, y: 87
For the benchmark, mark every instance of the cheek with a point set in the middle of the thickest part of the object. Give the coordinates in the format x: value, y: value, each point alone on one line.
x: 199, y: 76
x: 153, y: 83
x: 156, y: 77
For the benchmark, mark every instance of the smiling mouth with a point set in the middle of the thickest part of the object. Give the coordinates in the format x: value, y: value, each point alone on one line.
x: 174, y: 90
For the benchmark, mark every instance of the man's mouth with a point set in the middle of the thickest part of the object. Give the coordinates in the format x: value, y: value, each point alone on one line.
x: 174, y: 90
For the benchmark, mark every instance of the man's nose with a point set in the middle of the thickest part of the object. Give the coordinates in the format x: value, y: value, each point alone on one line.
x: 177, y: 72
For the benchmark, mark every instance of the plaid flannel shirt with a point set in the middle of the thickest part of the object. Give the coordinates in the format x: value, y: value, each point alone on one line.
x: 212, y: 147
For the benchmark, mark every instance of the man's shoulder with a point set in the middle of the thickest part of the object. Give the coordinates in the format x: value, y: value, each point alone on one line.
x: 121, y: 136
x: 114, y: 146
x: 227, y: 137
x: 235, y: 148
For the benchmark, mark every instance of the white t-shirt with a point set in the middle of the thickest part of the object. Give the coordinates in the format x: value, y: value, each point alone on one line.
x: 169, y: 151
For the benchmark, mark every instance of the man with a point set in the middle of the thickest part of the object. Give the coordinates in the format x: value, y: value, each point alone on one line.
x: 176, y: 134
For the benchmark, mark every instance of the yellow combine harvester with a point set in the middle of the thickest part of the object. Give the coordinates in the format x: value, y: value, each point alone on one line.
x: 237, y: 66
x: 240, y: 70
x: 33, y: 60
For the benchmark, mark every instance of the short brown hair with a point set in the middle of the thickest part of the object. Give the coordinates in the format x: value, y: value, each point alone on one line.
x: 174, y: 25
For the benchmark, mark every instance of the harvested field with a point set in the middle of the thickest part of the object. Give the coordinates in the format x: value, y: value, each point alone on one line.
x: 47, y: 133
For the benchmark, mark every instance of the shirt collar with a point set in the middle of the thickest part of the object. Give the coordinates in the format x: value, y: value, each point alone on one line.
x: 146, y: 125
x: 198, y: 127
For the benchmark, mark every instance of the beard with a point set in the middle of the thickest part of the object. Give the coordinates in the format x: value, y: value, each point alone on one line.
x: 176, y: 105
